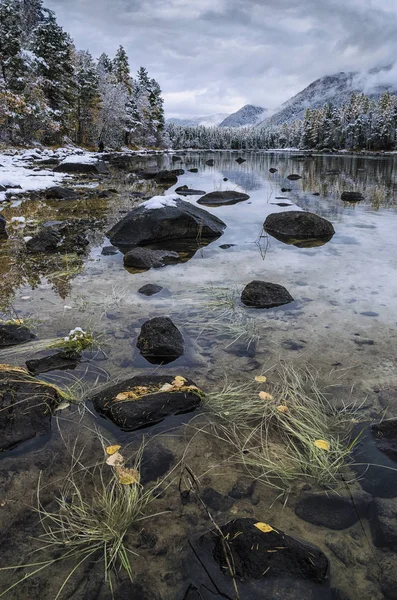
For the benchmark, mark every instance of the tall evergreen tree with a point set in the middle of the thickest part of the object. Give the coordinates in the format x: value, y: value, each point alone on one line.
x: 121, y: 68
x: 12, y: 65
x: 87, y: 98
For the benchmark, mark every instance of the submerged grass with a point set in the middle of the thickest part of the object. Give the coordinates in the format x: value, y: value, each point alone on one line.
x: 287, y: 433
x: 94, y: 512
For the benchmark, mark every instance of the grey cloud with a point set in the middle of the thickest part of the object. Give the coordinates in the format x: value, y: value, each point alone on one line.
x: 215, y: 55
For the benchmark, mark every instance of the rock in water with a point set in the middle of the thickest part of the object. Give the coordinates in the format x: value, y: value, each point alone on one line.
x: 268, y: 553
x: 383, y: 523
x: 210, y: 162
x: 222, y: 198
x: 294, y: 177
x: 160, y: 341
x: 185, y: 191
x: 262, y: 294
x: 273, y: 170
x: 240, y: 160
x: 140, y: 401
x: 352, y: 197
x: 150, y: 289
x: 167, y: 177
x: 165, y: 218
x: 194, y: 170
x: 26, y: 406
x: 12, y: 334
x: 93, y: 168
x: 143, y: 258
x: 299, y: 228
x: 47, y: 240
x: 58, y: 361
x: 333, y: 510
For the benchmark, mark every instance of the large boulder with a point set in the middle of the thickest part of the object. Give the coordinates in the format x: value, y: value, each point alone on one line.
x: 222, y: 198
x: 299, y: 228
x: 13, y: 333
x: 26, y: 406
x: 144, y: 258
x: 262, y: 294
x: 160, y: 341
x: 332, y: 510
x: 165, y: 219
x: 147, y: 399
x: 74, y: 165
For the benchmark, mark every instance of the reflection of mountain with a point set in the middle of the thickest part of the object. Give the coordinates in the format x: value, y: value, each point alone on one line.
x: 248, y: 180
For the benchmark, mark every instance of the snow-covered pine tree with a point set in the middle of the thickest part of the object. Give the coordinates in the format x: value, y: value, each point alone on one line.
x: 12, y: 65
x: 121, y: 69
x: 87, y: 99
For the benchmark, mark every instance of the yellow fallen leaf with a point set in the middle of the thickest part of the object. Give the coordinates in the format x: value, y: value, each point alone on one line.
x: 179, y: 381
x: 265, y: 396
x: 322, y: 444
x: 128, y: 476
x: 282, y: 408
x: 112, y: 449
x: 264, y: 527
x: 115, y: 460
x: 260, y: 379
x: 126, y: 396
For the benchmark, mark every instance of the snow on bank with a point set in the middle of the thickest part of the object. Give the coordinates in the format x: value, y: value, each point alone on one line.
x: 161, y: 201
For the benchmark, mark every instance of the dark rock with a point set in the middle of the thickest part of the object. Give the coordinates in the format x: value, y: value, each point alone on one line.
x: 286, y: 190
x: 215, y: 501
x: 383, y: 523
x: 177, y: 172
x: 193, y: 170
x: 192, y: 593
x: 151, y: 407
x: 227, y: 246
x: 240, y: 160
x: 60, y: 193
x: 176, y: 158
x: 143, y: 258
x: 299, y: 228
x: 343, y: 547
x: 12, y: 334
x: 26, y: 405
x: 388, y: 581
x: 352, y: 197
x: 273, y: 170
x: 184, y: 221
x: 222, y: 198
x: 243, y: 488
x: 185, y: 191
x: 225, y: 179
x: 262, y: 294
x: 150, y: 289
x: 166, y: 178
x: 292, y: 345
x: 46, y: 240
x: 372, y: 458
x: 363, y: 342
x: 109, y: 251
x: 156, y: 461
x: 254, y: 556
x: 95, y: 168
x: 160, y: 341
x: 332, y: 510
x: 59, y: 361
x: 48, y: 162
x: 316, y: 193
x: 294, y: 177
x: 210, y: 162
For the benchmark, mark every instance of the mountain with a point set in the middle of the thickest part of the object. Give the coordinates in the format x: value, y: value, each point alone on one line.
x: 207, y: 121
x: 246, y: 116
x: 335, y: 88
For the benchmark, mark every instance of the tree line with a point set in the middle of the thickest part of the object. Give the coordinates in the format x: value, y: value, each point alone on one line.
x: 50, y: 90
x: 361, y: 123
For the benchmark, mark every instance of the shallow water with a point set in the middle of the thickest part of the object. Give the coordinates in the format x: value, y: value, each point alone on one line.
x: 342, y: 320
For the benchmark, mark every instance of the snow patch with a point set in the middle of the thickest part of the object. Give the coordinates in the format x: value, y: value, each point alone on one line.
x: 82, y: 159
x: 161, y: 201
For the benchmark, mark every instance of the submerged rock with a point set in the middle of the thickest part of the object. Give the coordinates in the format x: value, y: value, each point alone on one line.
x: 12, y: 334
x: 160, y: 341
x: 94, y: 168
x: 144, y: 258
x: 140, y: 401
x: 383, y: 523
x: 185, y: 191
x: 262, y: 294
x: 167, y: 177
x: 210, y: 162
x: 61, y: 193
x: 26, y: 406
x: 150, y: 289
x: 156, y: 461
x: 59, y: 361
x: 47, y: 240
x: 176, y: 158
x: 222, y: 198
x: 352, y: 197
x: 299, y: 228
x: 333, y: 510
x: 194, y: 170
x: 240, y: 160
x: 165, y: 218
x: 294, y: 177
x: 216, y: 501
x: 62, y: 237
x: 109, y: 250
x: 273, y: 170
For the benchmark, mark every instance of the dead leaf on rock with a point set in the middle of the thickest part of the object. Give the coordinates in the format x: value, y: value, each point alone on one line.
x: 167, y: 387
x: 179, y: 381
x: 265, y: 396
x: 112, y: 449
x: 126, y: 396
x: 264, y: 527
x: 282, y: 409
x: 260, y: 379
x: 115, y: 460
x: 128, y: 476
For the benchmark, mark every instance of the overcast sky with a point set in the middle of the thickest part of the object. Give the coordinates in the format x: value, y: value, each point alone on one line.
x: 213, y: 56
